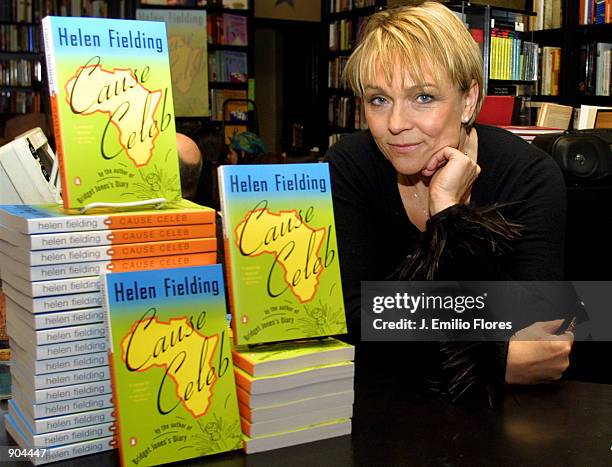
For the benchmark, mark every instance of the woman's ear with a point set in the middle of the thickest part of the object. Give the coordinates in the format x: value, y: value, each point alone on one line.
x: 470, y: 98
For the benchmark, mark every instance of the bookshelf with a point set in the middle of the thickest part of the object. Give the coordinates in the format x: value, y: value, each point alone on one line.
x: 22, y: 74
x: 342, y: 20
x: 230, y: 62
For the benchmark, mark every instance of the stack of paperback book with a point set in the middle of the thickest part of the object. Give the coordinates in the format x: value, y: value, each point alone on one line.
x: 294, y: 392
x: 50, y: 263
x: 284, y: 281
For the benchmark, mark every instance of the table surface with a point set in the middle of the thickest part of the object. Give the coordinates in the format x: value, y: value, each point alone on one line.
x: 565, y: 424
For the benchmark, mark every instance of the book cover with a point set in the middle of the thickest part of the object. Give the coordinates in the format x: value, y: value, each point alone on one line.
x: 187, y: 41
x: 235, y: 67
x: 281, y: 252
x: 112, y: 108
x: 281, y: 357
x: 52, y: 218
x: 235, y: 29
x: 171, y: 366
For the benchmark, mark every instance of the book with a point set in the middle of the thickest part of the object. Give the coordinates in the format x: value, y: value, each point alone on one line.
x: 59, y: 271
x: 64, y: 378
x: 55, y: 365
x: 114, y: 252
x: 171, y: 366
x: 51, y: 218
x: 187, y: 41
x: 235, y: 67
x: 281, y: 252
x: 53, y: 287
x: 588, y: 114
x: 603, y: 118
x: 281, y: 357
x: 293, y: 379
x: 65, y: 422
x: 303, y: 435
x: 294, y: 422
x: 272, y: 412
x: 105, y: 237
x: 235, y: 30
x: 554, y: 116
x: 57, y: 453
x: 496, y: 110
x: 294, y: 395
x: 54, y: 303
x: 56, y: 319
x: 112, y: 108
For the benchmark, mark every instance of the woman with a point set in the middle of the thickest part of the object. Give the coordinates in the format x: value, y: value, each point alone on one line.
x: 458, y: 200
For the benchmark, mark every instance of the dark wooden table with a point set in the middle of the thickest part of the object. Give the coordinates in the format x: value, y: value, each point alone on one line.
x: 564, y: 424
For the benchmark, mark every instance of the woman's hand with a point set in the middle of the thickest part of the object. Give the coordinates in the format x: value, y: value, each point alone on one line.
x: 452, y: 175
x: 537, y: 355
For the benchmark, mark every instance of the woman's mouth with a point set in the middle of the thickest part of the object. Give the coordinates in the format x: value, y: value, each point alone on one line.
x: 404, y: 148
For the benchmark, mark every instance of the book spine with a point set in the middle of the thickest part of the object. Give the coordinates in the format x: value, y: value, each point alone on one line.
x: 51, y: 336
x: 54, y: 319
x: 55, y: 303
x: 61, y: 452
x: 63, y: 349
x: 54, y: 96
x: 71, y: 362
x: 112, y: 237
x: 75, y: 435
x: 102, y: 253
x: 228, y: 258
x: 67, y: 407
x: 62, y: 393
x: 53, y: 380
x: 162, y: 262
x: 54, y: 287
x: 62, y: 422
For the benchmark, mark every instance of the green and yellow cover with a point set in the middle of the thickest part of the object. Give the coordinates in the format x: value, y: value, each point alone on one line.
x: 112, y: 109
x: 172, y: 374
x: 281, y: 252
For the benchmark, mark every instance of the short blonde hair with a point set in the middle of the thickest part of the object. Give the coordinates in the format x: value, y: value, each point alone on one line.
x: 413, y: 37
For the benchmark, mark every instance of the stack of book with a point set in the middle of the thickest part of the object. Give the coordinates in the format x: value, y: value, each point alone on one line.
x: 50, y: 264
x: 283, y: 277
x: 294, y: 392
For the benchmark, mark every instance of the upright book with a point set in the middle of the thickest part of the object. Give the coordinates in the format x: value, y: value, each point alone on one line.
x: 281, y: 252
x: 171, y: 365
x: 112, y: 108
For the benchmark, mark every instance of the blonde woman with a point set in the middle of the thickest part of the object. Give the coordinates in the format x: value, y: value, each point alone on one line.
x: 427, y: 191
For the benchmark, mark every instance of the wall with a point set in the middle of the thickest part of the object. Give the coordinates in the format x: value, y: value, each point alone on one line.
x: 268, y: 86
x: 296, y: 10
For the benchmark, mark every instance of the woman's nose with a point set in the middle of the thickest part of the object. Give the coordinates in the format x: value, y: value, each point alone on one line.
x: 400, y: 119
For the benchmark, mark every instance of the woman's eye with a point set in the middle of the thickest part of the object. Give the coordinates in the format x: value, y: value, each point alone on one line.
x: 377, y: 100
x: 424, y: 98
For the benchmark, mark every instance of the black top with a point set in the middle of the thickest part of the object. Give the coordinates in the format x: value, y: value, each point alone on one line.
x: 375, y: 234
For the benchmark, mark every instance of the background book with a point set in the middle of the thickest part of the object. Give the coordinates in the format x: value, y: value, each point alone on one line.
x: 554, y: 116
x: 187, y: 40
x: 281, y: 252
x: 128, y: 138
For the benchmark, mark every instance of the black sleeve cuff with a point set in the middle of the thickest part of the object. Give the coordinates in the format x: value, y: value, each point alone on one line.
x: 460, y: 232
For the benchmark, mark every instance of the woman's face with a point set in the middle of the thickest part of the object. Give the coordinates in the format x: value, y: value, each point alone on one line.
x: 410, y: 122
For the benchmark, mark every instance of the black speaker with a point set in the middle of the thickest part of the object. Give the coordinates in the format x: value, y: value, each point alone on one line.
x: 585, y: 156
